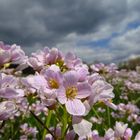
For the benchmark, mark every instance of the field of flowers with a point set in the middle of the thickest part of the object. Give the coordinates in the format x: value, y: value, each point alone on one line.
x: 52, y: 96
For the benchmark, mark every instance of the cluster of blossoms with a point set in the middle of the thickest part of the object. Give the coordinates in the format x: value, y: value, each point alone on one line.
x: 126, y: 85
x: 27, y: 131
x: 49, y: 95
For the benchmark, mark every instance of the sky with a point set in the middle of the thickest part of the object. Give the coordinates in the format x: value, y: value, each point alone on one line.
x: 95, y: 30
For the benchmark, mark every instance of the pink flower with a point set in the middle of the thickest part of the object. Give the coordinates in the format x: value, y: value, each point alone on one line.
x: 12, y: 54
x: 52, y: 56
x: 82, y: 71
x: 37, y: 60
x: 4, y: 53
x: 54, y: 81
x: 46, y: 57
x: 81, y: 127
x: 137, y: 136
x: 28, y: 131
x: 94, y: 77
x: 71, y: 60
x: 7, y: 109
x: 53, y: 77
x: 98, y: 67
x: 48, y: 96
x: 120, y: 132
x: 128, y: 134
x: 109, y: 134
x: 101, y: 90
x: 9, y: 87
x: 17, y: 54
x: 34, y: 83
x: 70, y: 135
x: 9, y: 93
x: 72, y: 93
x: 120, y: 129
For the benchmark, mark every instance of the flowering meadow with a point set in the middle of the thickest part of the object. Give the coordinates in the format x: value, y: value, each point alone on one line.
x: 52, y: 96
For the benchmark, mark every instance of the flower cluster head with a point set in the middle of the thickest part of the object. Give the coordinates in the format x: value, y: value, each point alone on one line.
x: 12, y: 55
x: 7, y: 109
x: 72, y: 92
x: 52, y: 96
x: 102, y: 68
x: 121, y: 131
x: 27, y: 131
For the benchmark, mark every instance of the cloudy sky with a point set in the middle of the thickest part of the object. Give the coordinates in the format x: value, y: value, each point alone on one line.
x: 103, y: 30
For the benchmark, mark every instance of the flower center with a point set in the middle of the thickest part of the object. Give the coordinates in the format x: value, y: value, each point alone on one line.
x: 6, y: 65
x: 71, y: 92
x: 61, y: 65
x: 53, y: 83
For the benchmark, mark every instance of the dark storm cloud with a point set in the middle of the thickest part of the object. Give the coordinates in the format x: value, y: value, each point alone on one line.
x: 64, y: 23
x: 48, y: 21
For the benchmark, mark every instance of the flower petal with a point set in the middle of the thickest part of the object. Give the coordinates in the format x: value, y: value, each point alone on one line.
x: 75, y: 107
x: 83, y: 128
x: 61, y: 95
x: 84, y: 90
x: 7, y: 109
x: 137, y: 136
x: 101, y: 90
x: 70, y: 79
x: 9, y: 93
x: 7, y: 81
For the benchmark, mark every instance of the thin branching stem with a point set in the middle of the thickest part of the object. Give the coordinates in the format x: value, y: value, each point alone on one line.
x: 43, y: 124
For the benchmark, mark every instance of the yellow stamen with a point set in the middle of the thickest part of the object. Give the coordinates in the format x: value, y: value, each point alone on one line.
x: 6, y: 65
x: 53, y: 83
x: 71, y: 92
x: 110, y: 100
x: 61, y: 65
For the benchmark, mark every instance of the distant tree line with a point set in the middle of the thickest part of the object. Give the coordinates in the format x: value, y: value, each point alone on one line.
x: 130, y: 64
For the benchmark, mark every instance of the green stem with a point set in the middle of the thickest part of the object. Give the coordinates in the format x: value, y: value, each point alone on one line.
x: 43, y: 124
x: 69, y: 125
x: 47, y: 124
x: 95, y: 112
x: 137, y: 101
x: 64, y: 123
x: 108, y: 116
x: 2, y: 124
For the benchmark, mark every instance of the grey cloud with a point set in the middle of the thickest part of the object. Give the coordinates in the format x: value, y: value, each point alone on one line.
x: 31, y: 23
